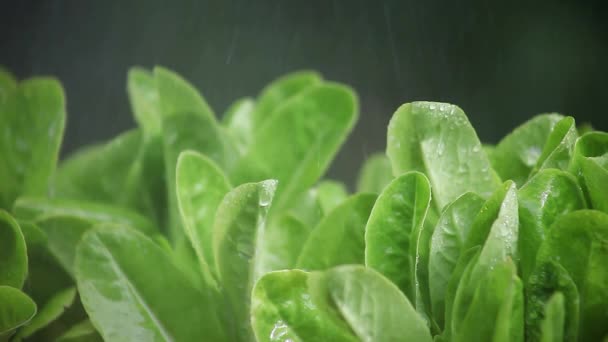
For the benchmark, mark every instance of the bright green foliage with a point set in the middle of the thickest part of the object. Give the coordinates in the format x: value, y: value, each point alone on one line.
x: 346, y: 223
x: 238, y: 241
x: 282, y: 308
x: 201, y: 186
x: 375, y: 174
x: 188, y: 228
x: 552, y: 327
x: 578, y: 241
x: 392, y: 231
x: 517, y: 154
x: 590, y: 164
x: 296, y: 144
x: 546, y: 196
x: 447, y: 245
x: 118, y: 272
x: 346, y: 303
x: 559, y: 146
x: 438, y: 140
x: 32, y: 119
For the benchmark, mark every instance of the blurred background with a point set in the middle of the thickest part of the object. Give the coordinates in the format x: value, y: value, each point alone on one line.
x: 501, y: 63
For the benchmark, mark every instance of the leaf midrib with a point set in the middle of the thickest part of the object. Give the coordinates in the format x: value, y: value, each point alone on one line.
x: 148, y: 310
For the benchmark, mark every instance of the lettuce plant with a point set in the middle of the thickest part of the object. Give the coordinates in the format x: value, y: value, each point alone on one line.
x: 188, y: 228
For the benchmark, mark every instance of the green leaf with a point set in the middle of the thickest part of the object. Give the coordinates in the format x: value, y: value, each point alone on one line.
x: 548, y: 279
x: 578, y: 241
x: 340, y: 236
x: 519, y: 152
x: 239, y: 234
x: 81, y: 332
x: 330, y: 194
x: 547, y: 195
x: 13, y: 254
x: 447, y: 242
x: 144, y: 99
x: 308, y: 209
x: 63, y: 234
x: 34, y: 209
x: 363, y: 297
x: 510, y: 321
x: 559, y: 146
x: 132, y: 290
x: 32, y: 119
x: 201, y: 186
x: 421, y: 269
x: 461, y: 275
x: 282, y: 309
x: 495, y: 230
x: 438, y: 140
x: 16, y: 309
x: 501, y: 242
x: 278, y: 92
x: 552, y: 327
x: 375, y: 174
x: 391, y: 233
x: 297, y: 143
x: 48, y: 313
x: 283, y: 243
x: 318, y: 201
x: 102, y: 173
x: 188, y: 123
x: 45, y: 276
x: 505, y: 196
x: 332, y: 305
x: 489, y: 150
x: 486, y: 314
x: 590, y: 164
x: 238, y: 122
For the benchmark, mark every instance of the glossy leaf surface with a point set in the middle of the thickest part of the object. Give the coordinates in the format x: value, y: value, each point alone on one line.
x: 375, y: 309
x: 546, y: 196
x: 128, y: 300
x: 188, y: 123
x: 283, y: 309
x: 296, y: 145
x: 447, y: 246
x: 391, y: 233
x: 239, y: 233
x: 578, y: 241
x: 558, y: 149
x: 438, y: 140
x: 516, y: 155
x: 340, y: 236
x: 590, y: 164
x: 201, y: 186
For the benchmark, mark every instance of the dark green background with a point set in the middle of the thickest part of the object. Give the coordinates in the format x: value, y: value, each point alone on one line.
x: 502, y: 63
